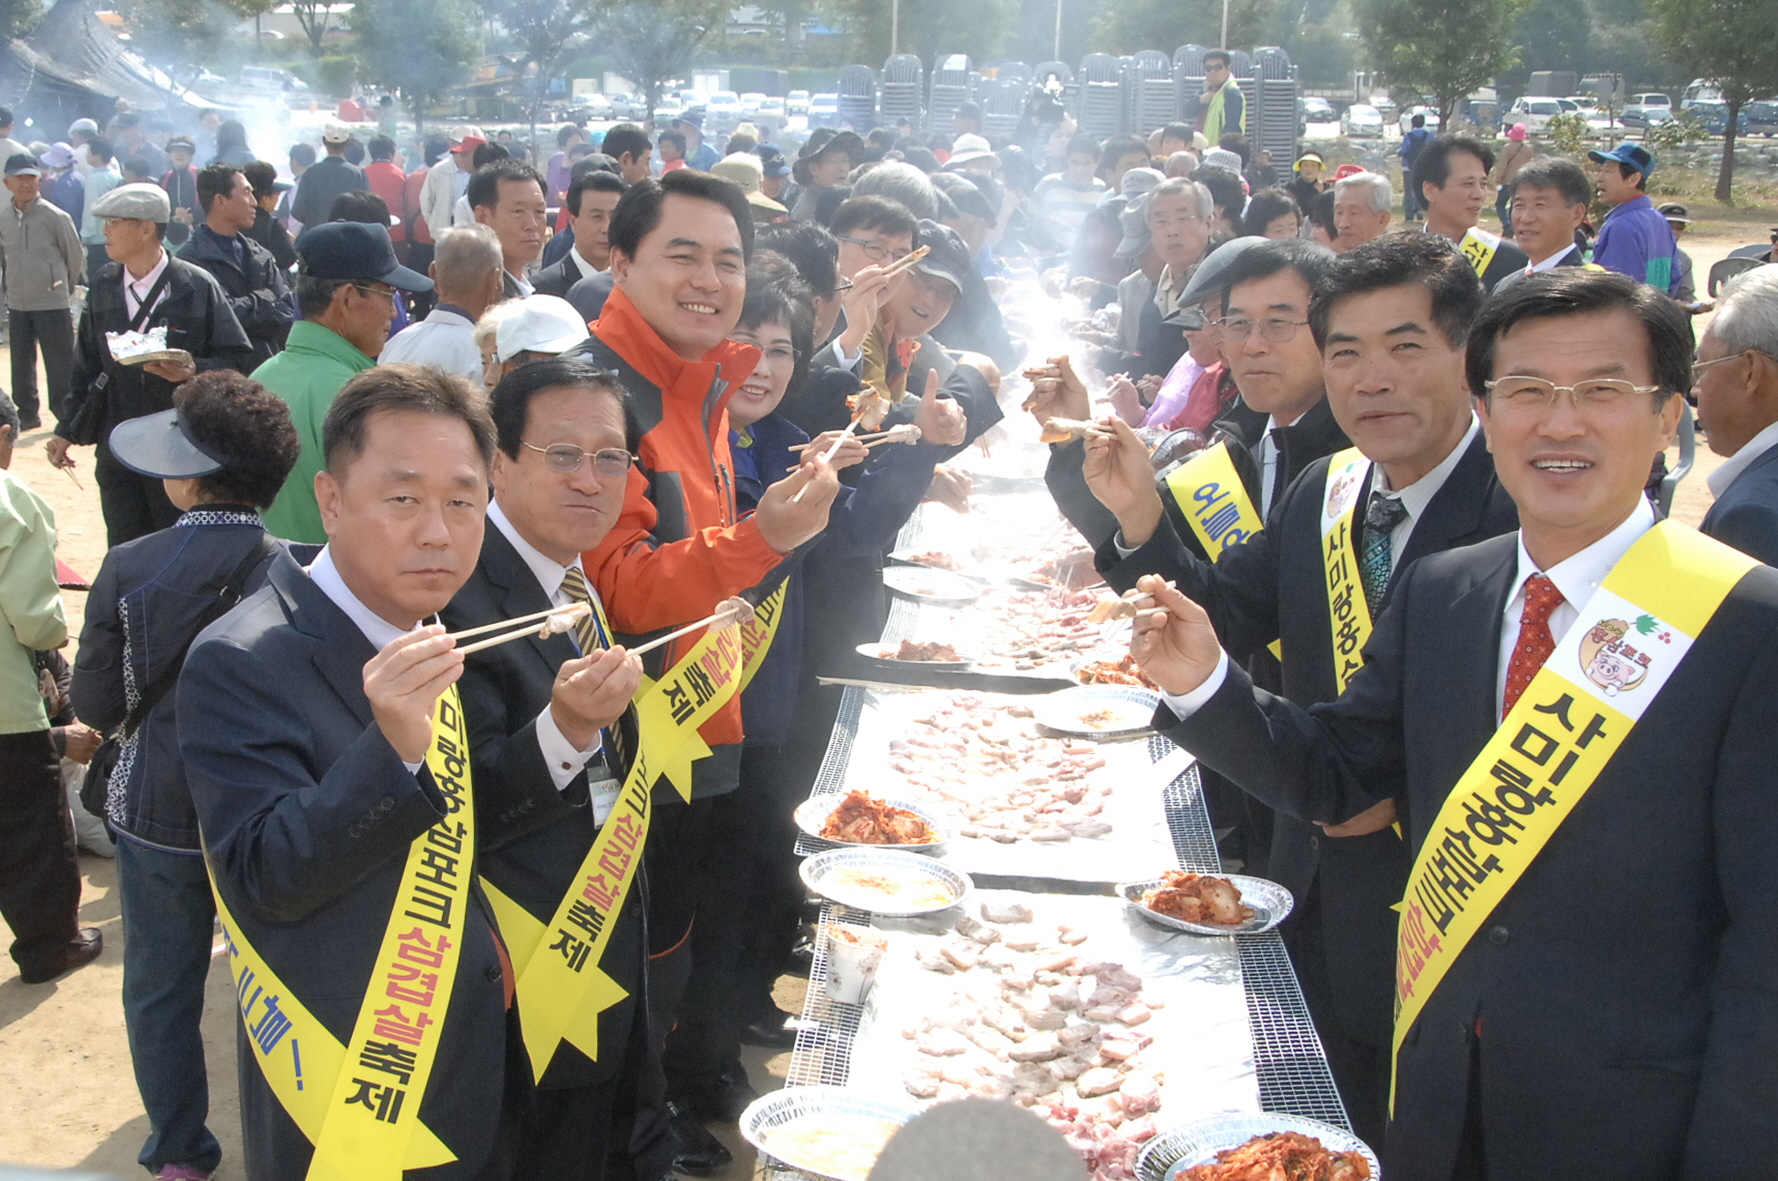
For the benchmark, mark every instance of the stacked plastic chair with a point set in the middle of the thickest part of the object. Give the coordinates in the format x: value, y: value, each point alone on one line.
x: 858, y: 98
x: 1100, y: 106
x: 1272, y: 97
x: 1188, y: 81
x: 949, y: 89
x: 898, y: 97
x: 1154, y: 100
x: 1002, y: 103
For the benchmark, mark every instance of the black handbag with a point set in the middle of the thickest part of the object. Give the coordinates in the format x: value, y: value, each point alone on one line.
x: 95, y: 786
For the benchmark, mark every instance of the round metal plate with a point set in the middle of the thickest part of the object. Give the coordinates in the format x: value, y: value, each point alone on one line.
x: 1173, y: 1151
x: 812, y: 814
x: 930, y: 585
x: 821, y: 874
x: 1271, y: 903
x: 1131, y: 709
x: 779, y: 1108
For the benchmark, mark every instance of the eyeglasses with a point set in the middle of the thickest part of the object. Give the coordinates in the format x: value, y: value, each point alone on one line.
x: 871, y: 250
x: 566, y: 457
x: 1534, y: 395
x: 843, y: 286
x: 1276, y: 330
x: 387, y: 293
x: 1697, y: 365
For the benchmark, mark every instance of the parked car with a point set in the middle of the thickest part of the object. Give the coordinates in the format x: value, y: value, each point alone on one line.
x: 1645, y: 110
x: 797, y: 102
x: 1407, y: 119
x: 596, y: 106
x: 270, y: 78
x: 1361, y: 120
x: 750, y: 102
x: 824, y: 110
x: 624, y: 106
x: 1760, y: 118
x: 670, y: 109
x: 1534, y: 111
x: 772, y: 107
x: 722, y: 110
x: 1315, y: 110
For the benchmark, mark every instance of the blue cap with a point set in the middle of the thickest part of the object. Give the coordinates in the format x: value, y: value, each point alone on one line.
x: 1628, y: 152
x: 771, y: 160
x: 355, y: 250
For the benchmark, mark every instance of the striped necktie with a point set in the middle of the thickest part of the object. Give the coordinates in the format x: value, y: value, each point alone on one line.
x: 587, y: 633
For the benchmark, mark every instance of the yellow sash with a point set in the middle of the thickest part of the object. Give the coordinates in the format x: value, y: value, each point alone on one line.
x: 1347, y: 611
x: 359, y: 1103
x: 561, y: 987
x: 1209, y: 492
x: 1479, y: 247
x: 1570, y: 721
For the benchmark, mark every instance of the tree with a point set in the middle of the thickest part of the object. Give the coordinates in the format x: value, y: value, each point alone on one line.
x: 547, y: 31
x: 931, y: 29
x: 1167, y: 24
x: 1441, y: 50
x: 653, y: 43
x: 184, y: 36
x: 1728, y: 42
x: 418, y: 50
x: 17, y: 17
x: 316, y: 19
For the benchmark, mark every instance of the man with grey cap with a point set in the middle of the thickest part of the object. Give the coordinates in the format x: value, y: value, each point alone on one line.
x: 346, y: 284
x: 327, y: 179
x: 143, y: 289
x: 44, y: 263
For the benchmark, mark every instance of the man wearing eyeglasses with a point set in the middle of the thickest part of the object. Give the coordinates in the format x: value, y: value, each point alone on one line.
x: 1390, y: 321
x: 1736, y: 383
x: 346, y: 284
x: 543, y: 710
x: 1574, y: 722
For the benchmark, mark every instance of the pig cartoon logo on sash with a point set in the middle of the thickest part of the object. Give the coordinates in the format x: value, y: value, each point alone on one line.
x: 1610, y: 660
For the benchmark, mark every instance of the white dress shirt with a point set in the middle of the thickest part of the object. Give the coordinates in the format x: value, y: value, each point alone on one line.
x: 445, y: 340
x: 1725, y: 473
x: 565, y: 761
x: 1576, y: 576
x: 1269, y: 455
x: 136, y: 290
x: 587, y: 270
x: 1550, y: 263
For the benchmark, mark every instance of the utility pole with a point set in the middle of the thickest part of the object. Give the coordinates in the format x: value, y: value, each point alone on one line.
x: 894, y: 27
x: 1056, y: 53
x: 1224, y: 43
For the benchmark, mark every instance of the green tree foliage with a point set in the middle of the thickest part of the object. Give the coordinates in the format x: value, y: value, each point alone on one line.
x: 1167, y: 24
x: 654, y: 43
x: 547, y: 32
x: 184, y: 36
x: 1729, y: 42
x: 1556, y: 35
x: 934, y: 28
x: 418, y: 50
x: 17, y: 17
x: 1441, y: 50
x: 315, y: 18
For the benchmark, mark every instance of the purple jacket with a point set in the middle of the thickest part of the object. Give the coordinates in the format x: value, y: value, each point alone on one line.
x: 1635, y: 240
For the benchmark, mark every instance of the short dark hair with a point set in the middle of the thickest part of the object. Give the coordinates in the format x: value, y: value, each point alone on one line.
x: 1575, y: 291
x: 1117, y: 147
x: 99, y: 146
x: 5, y: 116
x: 360, y: 206
x: 303, y: 154
x: 595, y: 180
x: 138, y: 165
x: 1417, y: 121
x: 1434, y: 163
x: 1180, y: 131
x: 486, y: 154
x: 811, y: 249
x: 215, y: 180
x: 245, y: 427
x: 263, y: 176
x: 1628, y: 170
x: 510, y: 403
x: 9, y: 413
x: 1265, y: 207
x: 674, y: 138
x: 777, y: 293
x: 1320, y: 211
x: 382, y: 148
x: 1218, y: 55
x: 638, y: 212
x: 1310, y: 261
x: 626, y: 139
x: 1226, y: 190
x: 1556, y: 173
x: 1085, y: 143
x: 870, y: 212
x: 1240, y: 145
x: 399, y: 387
x: 566, y: 132
x: 1403, y: 260
x: 314, y: 296
x: 484, y: 186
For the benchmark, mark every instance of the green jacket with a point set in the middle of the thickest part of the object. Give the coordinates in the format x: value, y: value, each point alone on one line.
x: 314, y: 365
x: 31, y: 601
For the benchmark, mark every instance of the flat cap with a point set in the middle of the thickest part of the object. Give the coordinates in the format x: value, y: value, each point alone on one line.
x: 135, y: 202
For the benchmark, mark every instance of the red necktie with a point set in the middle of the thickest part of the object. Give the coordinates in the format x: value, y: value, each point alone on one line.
x: 1535, y: 641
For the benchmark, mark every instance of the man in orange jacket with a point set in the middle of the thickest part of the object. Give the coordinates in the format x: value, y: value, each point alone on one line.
x: 679, y: 250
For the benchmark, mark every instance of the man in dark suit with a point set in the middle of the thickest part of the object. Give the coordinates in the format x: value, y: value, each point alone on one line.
x: 539, y: 710
x: 327, y: 773
x: 1736, y: 383
x: 591, y: 198
x: 507, y: 196
x: 1391, y: 319
x: 1609, y: 1018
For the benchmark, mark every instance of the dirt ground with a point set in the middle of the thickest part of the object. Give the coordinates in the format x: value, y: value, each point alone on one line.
x: 67, y: 1095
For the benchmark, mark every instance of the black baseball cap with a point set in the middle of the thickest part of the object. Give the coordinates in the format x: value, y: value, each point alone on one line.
x: 159, y: 446
x: 23, y: 164
x: 946, y: 256
x: 354, y: 250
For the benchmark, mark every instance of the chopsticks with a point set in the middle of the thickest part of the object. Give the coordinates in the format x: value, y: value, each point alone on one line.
x: 555, y: 621
x: 905, y: 433
x: 827, y: 456
x: 732, y: 613
x: 906, y: 262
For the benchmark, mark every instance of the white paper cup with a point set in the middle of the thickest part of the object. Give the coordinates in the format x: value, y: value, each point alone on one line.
x: 852, y: 958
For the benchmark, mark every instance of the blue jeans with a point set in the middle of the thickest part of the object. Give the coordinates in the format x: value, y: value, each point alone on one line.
x: 168, y: 918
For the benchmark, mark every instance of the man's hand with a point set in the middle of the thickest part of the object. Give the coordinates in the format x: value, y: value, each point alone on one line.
x: 404, y: 681
x: 1375, y: 818
x: 55, y: 449
x: 182, y: 216
x: 850, y: 452
x: 1126, y: 399
x: 1149, y: 385
x: 1173, y: 642
x: 950, y: 488
x: 1119, y: 472
x: 786, y: 522
x: 80, y: 741
x: 593, y: 692
x: 940, y: 420
x: 871, y: 289
x: 1057, y: 392
x: 171, y: 371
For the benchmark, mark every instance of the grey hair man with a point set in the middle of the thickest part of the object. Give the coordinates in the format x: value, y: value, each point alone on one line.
x: 1363, y: 206
x: 1736, y: 383
x: 899, y: 181
x: 467, y: 269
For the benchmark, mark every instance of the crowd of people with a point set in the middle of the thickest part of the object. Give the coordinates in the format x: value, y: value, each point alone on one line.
x: 522, y: 903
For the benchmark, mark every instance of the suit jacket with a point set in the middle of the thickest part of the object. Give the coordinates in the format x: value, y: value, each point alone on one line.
x: 1273, y: 587
x: 308, y: 814
x: 1624, y: 986
x: 504, y: 690
x: 558, y: 277
x: 1746, y: 514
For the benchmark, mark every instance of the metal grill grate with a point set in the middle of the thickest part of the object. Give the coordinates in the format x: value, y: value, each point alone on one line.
x: 1287, y: 1054
x: 823, y: 1051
